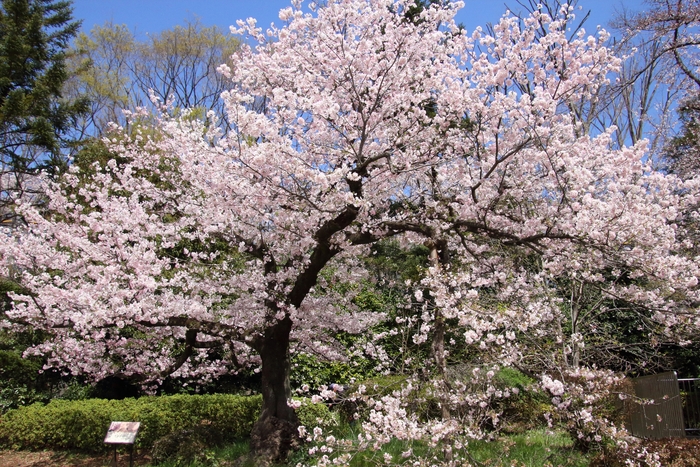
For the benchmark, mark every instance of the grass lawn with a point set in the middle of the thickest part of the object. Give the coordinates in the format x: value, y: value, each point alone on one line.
x: 534, y: 448
x: 538, y: 448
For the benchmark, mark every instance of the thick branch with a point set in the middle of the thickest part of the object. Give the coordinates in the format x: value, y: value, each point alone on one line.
x: 323, y: 253
x: 190, y: 341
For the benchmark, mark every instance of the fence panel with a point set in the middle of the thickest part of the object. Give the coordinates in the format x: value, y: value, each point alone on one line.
x: 690, y: 396
x: 659, y: 412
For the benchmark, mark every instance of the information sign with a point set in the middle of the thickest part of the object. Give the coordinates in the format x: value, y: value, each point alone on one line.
x: 122, y: 432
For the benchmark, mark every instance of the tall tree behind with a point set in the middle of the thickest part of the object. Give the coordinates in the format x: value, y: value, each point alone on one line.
x: 34, y: 116
x: 662, y: 78
x: 658, y: 75
x: 179, y: 66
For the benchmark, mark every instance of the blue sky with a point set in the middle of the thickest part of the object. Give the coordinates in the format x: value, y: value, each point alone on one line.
x: 145, y: 16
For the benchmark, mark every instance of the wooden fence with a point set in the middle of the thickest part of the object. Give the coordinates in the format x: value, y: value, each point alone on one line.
x: 665, y: 407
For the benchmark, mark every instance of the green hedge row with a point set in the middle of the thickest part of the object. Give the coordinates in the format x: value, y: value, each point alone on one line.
x: 82, y: 425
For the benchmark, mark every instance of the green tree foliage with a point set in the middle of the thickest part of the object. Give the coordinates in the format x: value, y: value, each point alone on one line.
x: 35, y: 119
x: 683, y: 151
x: 117, y: 70
x: 22, y: 378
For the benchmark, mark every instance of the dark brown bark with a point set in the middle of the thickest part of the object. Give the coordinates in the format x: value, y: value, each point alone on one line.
x: 438, y: 257
x: 275, y: 433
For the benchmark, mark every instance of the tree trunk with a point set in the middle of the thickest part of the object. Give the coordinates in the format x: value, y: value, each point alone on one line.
x: 275, y: 433
x: 439, y: 336
x: 438, y: 257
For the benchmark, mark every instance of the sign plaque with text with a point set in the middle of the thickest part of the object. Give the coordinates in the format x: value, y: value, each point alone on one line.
x: 122, y: 432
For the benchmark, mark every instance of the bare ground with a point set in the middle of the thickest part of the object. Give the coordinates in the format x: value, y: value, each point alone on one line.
x: 62, y: 459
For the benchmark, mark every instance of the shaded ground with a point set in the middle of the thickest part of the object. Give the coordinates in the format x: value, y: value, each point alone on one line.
x: 62, y: 459
x: 672, y: 452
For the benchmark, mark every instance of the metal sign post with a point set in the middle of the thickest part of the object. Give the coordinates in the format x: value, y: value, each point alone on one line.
x: 122, y: 433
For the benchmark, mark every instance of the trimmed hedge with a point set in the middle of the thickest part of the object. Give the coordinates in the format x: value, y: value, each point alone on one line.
x: 82, y: 425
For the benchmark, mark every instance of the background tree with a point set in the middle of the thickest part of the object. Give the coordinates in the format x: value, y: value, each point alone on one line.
x: 658, y: 52
x: 178, y: 66
x: 661, y: 72
x: 682, y: 156
x: 35, y: 118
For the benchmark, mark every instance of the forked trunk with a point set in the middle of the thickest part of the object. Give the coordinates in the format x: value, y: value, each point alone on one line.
x: 275, y: 433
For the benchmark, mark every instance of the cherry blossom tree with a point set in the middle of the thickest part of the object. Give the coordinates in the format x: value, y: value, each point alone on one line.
x: 194, y: 252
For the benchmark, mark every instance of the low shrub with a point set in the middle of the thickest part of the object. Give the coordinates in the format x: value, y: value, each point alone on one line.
x: 160, y: 416
x: 351, y: 408
x: 316, y: 414
x: 186, y: 447
x: 82, y: 425
x: 524, y: 411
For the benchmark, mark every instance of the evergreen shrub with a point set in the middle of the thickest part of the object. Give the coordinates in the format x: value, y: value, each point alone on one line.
x: 82, y: 424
